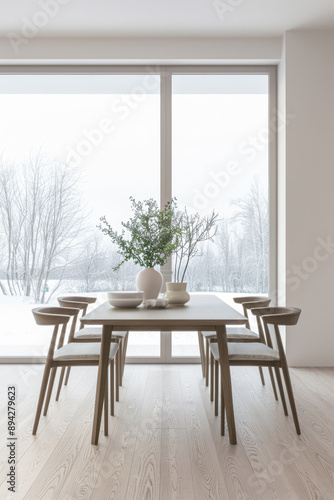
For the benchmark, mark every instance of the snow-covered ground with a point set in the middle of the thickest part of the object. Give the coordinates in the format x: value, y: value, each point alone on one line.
x: 19, y: 330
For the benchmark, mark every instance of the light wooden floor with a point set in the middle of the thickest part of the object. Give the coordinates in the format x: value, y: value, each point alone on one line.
x: 164, y: 442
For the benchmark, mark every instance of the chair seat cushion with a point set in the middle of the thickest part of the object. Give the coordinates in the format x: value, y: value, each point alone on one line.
x: 240, y: 332
x: 76, y: 351
x: 94, y: 333
x: 235, y: 334
x: 251, y: 351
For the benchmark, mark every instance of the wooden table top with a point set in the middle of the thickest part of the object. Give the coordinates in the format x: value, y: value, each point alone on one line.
x: 201, y: 311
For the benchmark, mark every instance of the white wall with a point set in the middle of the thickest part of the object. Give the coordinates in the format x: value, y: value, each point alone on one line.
x: 305, y: 153
x: 132, y: 50
x: 309, y: 87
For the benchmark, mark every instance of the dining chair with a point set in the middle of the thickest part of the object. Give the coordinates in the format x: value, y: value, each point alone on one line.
x: 260, y: 354
x: 234, y: 334
x: 249, y: 305
x: 71, y: 354
x: 93, y: 334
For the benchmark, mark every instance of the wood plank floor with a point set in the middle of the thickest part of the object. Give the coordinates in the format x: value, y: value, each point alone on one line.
x: 164, y: 442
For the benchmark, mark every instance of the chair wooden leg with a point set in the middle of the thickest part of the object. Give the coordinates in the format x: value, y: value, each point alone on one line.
x: 41, y: 396
x: 211, y: 376
x: 67, y: 374
x: 50, y: 387
x: 222, y: 411
x: 288, y: 385
x: 125, y: 345
x: 105, y: 404
x: 207, y: 362
x: 216, y: 386
x: 273, y: 382
x: 60, y: 383
x: 201, y: 351
x: 112, y: 388
x: 120, y: 349
x: 261, y: 375
x: 281, y: 390
x: 117, y: 376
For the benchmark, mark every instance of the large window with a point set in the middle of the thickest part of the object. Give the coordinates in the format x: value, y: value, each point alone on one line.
x: 75, y: 147
x: 220, y: 153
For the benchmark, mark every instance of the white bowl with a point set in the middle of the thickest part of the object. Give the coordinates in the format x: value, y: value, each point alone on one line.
x: 125, y: 299
x: 125, y: 295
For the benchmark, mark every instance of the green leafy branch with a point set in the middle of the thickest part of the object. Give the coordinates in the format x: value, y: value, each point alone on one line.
x: 152, y: 236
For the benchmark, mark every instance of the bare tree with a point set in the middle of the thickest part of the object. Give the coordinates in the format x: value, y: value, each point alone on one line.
x: 226, y: 256
x: 252, y: 214
x: 237, y: 259
x: 207, y: 269
x: 41, y: 222
x: 89, y: 271
x: 194, y: 229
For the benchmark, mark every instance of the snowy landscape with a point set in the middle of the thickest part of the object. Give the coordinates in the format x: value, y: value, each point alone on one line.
x: 53, y: 191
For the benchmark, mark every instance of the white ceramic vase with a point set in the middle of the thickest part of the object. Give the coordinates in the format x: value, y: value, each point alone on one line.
x: 176, y: 293
x: 149, y: 281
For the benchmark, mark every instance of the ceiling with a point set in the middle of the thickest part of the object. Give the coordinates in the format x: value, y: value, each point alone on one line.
x: 163, y: 17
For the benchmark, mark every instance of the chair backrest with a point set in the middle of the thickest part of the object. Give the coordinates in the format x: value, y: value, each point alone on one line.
x: 52, y: 315
x: 249, y: 302
x: 251, y: 298
x: 277, y: 316
x: 77, y: 298
x: 68, y: 302
x: 284, y: 316
x: 55, y: 316
x: 78, y: 302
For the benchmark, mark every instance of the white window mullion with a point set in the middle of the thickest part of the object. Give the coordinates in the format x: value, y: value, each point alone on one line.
x: 166, y: 151
x: 166, y: 182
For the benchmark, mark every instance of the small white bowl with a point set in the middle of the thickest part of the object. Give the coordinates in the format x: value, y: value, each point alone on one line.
x: 161, y: 303
x: 125, y: 299
x: 156, y: 303
x: 150, y: 303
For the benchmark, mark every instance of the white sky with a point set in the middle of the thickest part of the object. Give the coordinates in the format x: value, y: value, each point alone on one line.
x: 209, y: 131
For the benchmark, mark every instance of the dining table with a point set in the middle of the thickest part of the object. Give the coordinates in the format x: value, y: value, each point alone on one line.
x: 201, y: 313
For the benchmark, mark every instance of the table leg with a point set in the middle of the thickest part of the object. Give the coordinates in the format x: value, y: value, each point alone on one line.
x: 226, y: 381
x: 101, y: 381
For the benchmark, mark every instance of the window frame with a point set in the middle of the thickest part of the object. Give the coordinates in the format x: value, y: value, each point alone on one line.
x: 166, y: 72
